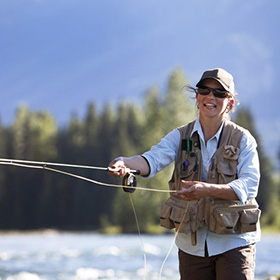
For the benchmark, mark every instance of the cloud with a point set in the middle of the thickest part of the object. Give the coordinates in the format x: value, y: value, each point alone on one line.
x: 249, y: 45
x: 253, y: 61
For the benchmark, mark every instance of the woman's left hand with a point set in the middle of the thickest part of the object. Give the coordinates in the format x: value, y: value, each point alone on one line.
x: 195, y: 190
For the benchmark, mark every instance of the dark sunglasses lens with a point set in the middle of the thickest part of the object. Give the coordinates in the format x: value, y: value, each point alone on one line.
x: 216, y: 92
x: 203, y: 91
x: 220, y: 93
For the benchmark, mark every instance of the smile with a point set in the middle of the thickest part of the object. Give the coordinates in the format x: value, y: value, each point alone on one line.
x: 210, y: 105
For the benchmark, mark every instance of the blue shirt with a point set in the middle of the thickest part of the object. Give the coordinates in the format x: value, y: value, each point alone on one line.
x: 245, y: 187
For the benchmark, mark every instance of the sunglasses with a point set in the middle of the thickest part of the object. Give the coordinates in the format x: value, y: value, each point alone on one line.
x: 220, y: 93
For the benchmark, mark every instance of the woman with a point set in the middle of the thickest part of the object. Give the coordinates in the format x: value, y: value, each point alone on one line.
x: 213, y: 188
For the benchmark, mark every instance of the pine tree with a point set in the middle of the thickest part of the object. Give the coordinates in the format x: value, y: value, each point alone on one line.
x: 162, y: 113
x: 266, y: 187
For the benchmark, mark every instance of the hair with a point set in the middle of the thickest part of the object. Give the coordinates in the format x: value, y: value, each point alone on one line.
x: 232, y: 100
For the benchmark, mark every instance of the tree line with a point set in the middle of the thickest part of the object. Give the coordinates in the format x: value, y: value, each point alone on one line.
x: 36, y: 198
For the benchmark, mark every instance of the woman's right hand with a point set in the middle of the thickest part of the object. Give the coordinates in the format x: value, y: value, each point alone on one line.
x: 121, y: 166
x: 117, y: 167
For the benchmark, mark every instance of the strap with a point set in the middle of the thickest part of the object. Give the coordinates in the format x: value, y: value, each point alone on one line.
x: 194, y: 238
x: 185, y: 131
x: 230, y: 133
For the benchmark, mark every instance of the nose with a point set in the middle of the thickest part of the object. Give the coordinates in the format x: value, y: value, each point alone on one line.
x: 211, y: 94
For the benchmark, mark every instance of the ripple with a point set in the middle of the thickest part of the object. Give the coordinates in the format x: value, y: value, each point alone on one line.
x: 24, y: 276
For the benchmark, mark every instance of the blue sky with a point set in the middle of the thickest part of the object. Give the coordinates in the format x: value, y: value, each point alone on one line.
x: 58, y: 55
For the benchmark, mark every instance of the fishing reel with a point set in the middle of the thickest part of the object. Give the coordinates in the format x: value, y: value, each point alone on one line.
x: 129, y: 180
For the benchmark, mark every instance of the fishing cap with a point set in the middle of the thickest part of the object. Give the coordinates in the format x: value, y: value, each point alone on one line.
x: 221, y: 76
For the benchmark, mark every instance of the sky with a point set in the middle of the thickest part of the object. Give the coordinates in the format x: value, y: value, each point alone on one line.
x: 59, y: 55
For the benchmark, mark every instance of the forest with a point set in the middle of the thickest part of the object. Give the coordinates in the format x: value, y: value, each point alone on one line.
x: 33, y: 199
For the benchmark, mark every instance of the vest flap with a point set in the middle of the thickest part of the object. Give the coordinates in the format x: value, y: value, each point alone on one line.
x: 225, y: 168
x: 177, y: 215
x: 165, y: 211
x: 250, y: 216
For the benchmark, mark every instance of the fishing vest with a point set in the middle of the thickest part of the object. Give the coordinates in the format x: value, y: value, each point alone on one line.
x: 219, y: 215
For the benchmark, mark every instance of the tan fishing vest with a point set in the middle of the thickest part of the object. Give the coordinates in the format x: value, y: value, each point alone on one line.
x: 219, y: 215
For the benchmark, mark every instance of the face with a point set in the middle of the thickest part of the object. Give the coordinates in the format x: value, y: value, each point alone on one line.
x: 209, y: 105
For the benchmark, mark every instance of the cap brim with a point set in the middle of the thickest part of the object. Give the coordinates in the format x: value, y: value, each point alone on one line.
x: 219, y: 81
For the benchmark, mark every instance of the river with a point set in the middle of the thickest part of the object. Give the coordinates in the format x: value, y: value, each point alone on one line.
x: 51, y: 255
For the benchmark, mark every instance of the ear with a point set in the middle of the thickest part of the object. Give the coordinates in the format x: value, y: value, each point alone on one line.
x: 230, y: 102
x: 230, y: 105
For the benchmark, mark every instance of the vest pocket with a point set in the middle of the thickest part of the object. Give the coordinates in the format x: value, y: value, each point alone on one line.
x: 174, y: 217
x: 187, y: 170
x: 226, y: 172
x: 165, y: 212
x: 234, y: 218
x: 249, y: 219
x: 181, y: 218
x: 223, y: 221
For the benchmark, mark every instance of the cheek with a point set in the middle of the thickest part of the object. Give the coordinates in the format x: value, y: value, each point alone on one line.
x: 222, y: 102
x: 198, y: 98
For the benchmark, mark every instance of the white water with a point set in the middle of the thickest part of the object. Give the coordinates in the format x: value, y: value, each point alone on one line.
x: 51, y: 255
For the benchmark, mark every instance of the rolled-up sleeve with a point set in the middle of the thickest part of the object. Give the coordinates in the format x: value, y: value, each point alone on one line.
x: 164, y: 153
x: 248, y: 169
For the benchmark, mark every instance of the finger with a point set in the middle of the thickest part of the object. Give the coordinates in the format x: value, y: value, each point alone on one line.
x: 117, y: 163
x: 113, y: 169
x: 118, y: 172
x: 183, y: 191
x: 117, y: 168
x: 187, y: 183
x: 184, y: 196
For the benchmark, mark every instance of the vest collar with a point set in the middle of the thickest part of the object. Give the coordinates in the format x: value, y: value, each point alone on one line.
x: 197, y: 128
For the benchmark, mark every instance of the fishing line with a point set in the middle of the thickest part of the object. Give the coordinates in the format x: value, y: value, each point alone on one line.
x: 172, y: 244
x: 139, y: 233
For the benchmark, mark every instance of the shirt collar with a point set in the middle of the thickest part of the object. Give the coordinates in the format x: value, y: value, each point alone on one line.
x: 197, y: 128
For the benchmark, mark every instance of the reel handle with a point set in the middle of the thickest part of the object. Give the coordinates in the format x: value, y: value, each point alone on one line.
x: 133, y: 171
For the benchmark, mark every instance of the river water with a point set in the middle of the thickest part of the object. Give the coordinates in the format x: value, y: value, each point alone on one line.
x: 51, y: 255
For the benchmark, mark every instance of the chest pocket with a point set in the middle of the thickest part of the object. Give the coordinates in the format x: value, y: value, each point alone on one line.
x: 226, y: 171
x: 227, y: 165
x: 188, y: 169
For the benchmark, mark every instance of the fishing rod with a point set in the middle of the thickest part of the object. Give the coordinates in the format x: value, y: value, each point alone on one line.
x: 129, y: 181
x: 45, y: 163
